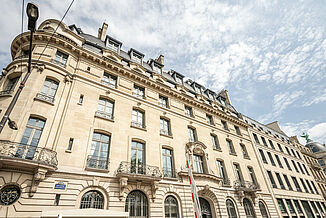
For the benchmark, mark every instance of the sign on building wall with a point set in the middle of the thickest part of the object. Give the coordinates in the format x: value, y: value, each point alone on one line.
x: 60, y: 185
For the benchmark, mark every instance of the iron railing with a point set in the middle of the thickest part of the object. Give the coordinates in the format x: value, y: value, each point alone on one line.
x: 6, y: 92
x: 28, y: 152
x: 104, y: 115
x: 45, y: 97
x: 138, y: 169
x: 226, y: 182
x: 246, y: 186
x: 97, y: 162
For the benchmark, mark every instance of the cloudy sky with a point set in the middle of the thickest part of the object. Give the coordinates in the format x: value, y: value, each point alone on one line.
x: 270, y: 55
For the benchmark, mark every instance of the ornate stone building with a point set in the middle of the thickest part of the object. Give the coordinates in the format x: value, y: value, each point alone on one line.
x: 101, y: 132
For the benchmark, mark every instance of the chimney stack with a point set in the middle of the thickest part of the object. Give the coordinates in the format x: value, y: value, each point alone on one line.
x: 160, y: 59
x: 102, y: 31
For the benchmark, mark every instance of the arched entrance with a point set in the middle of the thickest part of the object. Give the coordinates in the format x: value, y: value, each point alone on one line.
x: 250, y: 213
x: 205, y: 207
x: 137, y: 205
x: 263, y: 210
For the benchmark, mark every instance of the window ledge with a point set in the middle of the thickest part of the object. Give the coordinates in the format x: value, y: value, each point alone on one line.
x: 169, y: 136
x: 79, y: 103
x: 103, y: 118
x: 234, y: 154
x: 97, y: 170
x: 217, y: 149
x: 42, y: 100
x: 68, y: 151
x: 171, y: 178
x: 140, y: 128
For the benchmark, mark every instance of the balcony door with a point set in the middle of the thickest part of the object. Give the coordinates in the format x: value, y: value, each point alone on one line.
x: 29, y: 142
x: 250, y: 213
x: 100, y: 148
x: 137, y: 157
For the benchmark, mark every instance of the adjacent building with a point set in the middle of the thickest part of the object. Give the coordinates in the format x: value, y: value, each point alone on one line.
x: 102, y: 131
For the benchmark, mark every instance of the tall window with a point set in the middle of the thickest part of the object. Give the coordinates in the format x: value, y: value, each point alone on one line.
x: 209, y: 119
x: 287, y: 182
x: 280, y: 147
x: 189, y: 112
x: 271, y: 158
x: 138, y: 118
x: 281, y: 205
x: 307, y: 209
x: 308, y: 183
x: 295, y: 166
x: 31, y: 138
x: 230, y: 146
x: 302, y: 171
x: 165, y: 127
x: 205, y: 208
x: 215, y: 142
x: 163, y: 101
x: 297, y: 206
x: 250, y: 212
x: 304, y: 185
x: 11, y: 84
x: 263, y: 210
x: 264, y: 141
x: 262, y: 155
x: 256, y: 138
x: 105, y: 108
x: 198, y: 164
x: 137, y: 157
x: 224, y: 125
x: 49, y: 90
x: 252, y: 175
x: 60, y: 59
x: 280, y: 181
x: 238, y: 172
x: 237, y: 130
x: 305, y: 168
x: 271, y: 179
x: 137, y: 205
x: 171, y: 207
x: 287, y: 163
x: 100, y: 148
x: 168, y: 168
x: 92, y: 199
x: 244, y: 151
x: 109, y: 80
x: 192, y: 134
x: 221, y: 170
x: 232, y: 213
x: 297, y: 186
x: 290, y: 206
x: 139, y: 91
x: 313, y: 184
x: 271, y: 143
x: 278, y: 161
x: 287, y: 150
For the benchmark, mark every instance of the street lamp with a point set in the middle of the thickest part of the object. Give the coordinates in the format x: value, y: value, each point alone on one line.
x: 33, y: 14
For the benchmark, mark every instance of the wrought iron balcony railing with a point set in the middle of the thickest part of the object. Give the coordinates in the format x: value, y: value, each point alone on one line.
x: 246, y: 186
x: 28, y: 152
x: 128, y: 168
x: 95, y: 162
x: 6, y: 92
x: 45, y: 97
x: 104, y: 115
x: 138, y: 124
x: 226, y: 182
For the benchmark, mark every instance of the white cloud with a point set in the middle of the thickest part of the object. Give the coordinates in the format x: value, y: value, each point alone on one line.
x: 318, y: 133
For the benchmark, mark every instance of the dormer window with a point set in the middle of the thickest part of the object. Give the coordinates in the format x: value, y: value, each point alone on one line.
x: 197, y: 89
x: 179, y: 79
x: 157, y: 68
x: 137, y: 58
x: 114, y: 46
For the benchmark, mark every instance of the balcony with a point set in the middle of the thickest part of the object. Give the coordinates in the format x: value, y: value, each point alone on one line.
x: 6, y: 92
x: 104, y: 115
x: 45, y: 98
x: 315, y: 166
x: 142, y: 171
x: 99, y: 163
x: 246, y: 186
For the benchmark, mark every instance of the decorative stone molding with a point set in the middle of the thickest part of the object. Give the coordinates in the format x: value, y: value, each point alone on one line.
x: 39, y: 175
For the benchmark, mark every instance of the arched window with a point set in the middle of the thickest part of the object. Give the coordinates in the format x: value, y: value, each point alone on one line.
x: 263, y: 210
x: 232, y: 213
x: 205, y: 208
x: 92, y: 199
x: 137, y: 205
x: 171, y: 207
x: 250, y: 213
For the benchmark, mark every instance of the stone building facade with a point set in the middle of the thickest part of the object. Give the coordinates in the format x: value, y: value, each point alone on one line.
x: 101, y: 131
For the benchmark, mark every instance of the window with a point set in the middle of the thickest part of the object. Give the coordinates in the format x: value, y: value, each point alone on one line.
x: 105, y: 109
x: 287, y: 150
x: 198, y: 164
x: 9, y: 193
x: 271, y: 143
x: 315, y: 208
x: 278, y: 161
x: 189, y: 112
x: 171, y: 207
x: 252, y: 175
x: 298, y: 155
x: 313, y: 184
x: 300, y: 168
x: 238, y: 172
x: 280, y: 180
x: 168, y: 168
x: 137, y: 58
x: 297, y: 186
x: 28, y: 144
x: 290, y: 206
x: 60, y: 59
x: 230, y: 146
x: 215, y: 142
x: 262, y: 155
x: 137, y: 205
x: 205, y: 208
x: 264, y: 141
x: 165, y: 127
x: 305, y: 168
x: 307, y: 209
x: 92, y: 199
x: 244, y: 151
x: 81, y: 99
x: 271, y: 179
x: 256, y: 138
x: 295, y: 166
x: 250, y: 212
x: 237, y: 130
x: 209, y: 119
x: 287, y: 182
x: 57, y: 199
x: 304, y: 185
x: 11, y: 84
x: 71, y: 141
x: 311, y: 190
x: 139, y: 91
x: 292, y: 151
x: 113, y: 46
x: 163, y: 101
x: 232, y: 213
x: 263, y: 210
x: 192, y: 134
x: 287, y: 163
x: 281, y: 205
x: 225, y: 125
x: 49, y: 90
x: 280, y: 147
x: 271, y: 158
x: 109, y: 80
x: 297, y: 206
x: 221, y: 170
x: 137, y: 157
x: 99, y: 152
x: 138, y: 118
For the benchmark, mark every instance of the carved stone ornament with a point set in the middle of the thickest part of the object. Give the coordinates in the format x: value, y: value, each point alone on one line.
x: 9, y: 194
x: 39, y: 175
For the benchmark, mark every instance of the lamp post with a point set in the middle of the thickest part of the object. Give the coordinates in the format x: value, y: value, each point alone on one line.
x: 33, y: 14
